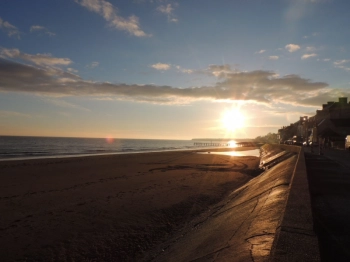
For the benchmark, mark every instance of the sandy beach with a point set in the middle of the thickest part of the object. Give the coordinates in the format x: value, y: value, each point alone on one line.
x: 109, y: 208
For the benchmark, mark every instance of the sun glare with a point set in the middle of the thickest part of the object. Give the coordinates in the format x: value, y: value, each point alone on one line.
x: 232, y: 143
x: 109, y: 139
x: 233, y: 119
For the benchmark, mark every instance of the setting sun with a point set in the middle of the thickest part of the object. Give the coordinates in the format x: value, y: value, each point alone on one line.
x: 233, y: 119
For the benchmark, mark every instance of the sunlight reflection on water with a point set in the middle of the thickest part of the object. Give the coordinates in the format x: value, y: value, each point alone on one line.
x: 254, y: 152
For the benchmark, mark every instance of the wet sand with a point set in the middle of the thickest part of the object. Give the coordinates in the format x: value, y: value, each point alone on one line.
x: 109, y: 208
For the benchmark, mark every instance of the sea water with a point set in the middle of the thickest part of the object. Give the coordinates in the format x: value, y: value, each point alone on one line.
x: 23, y: 147
x: 16, y: 147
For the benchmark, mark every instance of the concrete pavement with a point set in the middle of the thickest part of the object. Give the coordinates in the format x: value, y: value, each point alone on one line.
x: 329, y: 183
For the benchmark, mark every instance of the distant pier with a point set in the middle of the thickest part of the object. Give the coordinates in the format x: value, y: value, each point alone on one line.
x: 211, y: 144
x: 222, y: 144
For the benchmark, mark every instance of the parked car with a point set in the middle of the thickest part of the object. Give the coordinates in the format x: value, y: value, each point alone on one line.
x: 289, y: 142
x: 297, y: 141
x: 347, y: 142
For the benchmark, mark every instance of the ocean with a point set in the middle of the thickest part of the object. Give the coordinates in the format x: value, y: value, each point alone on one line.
x: 16, y: 147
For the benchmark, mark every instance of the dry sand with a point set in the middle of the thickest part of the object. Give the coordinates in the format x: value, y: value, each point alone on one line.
x: 109, y: 208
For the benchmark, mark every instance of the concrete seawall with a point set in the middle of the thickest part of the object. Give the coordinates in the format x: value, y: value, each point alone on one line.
x: 267, y: 219
x: 295, y: 238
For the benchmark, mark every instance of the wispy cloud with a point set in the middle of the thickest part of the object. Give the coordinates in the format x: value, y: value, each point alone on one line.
x: 307, y: 56
x: 72, y: 70
x: 10, y: 29
x: 38, y: 59
x: 164, y: 67
x: 92, y: 65
x: 219, y: 71
x: 310, y: 49
x: 261, y: 51
x: 184, y: 70
x: 274, y: 57
x: 292, y: 47
x: 110, y: 14
x: 39, y: 28
x: 4, y: 114
x: 61, y: 103
x: 312, y: 35
x: 255, y: 86
x: 324, y: 59
x: 342, y: 64
x: 168, y: 10
x: 161, y: 66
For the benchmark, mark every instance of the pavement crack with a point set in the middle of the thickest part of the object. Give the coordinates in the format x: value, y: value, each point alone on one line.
x: 259, y: 235
x: 251, y: 199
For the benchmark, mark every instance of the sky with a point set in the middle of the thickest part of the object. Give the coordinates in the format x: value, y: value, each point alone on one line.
x: 163, y: 69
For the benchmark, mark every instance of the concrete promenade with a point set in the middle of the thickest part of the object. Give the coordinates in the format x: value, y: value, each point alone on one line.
x: 295, y: 237
x: 329, y: 184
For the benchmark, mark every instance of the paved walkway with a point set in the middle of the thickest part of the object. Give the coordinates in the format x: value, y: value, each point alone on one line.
x: 329, y: 183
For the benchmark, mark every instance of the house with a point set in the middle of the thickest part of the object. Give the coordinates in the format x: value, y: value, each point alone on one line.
x: 332, y: 122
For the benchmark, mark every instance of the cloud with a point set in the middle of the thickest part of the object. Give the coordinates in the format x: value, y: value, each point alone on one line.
x: 168, y: 10
x: 307, y: 56
x: 72, y: 70
x: 292, y: 47
x: 260, y: 52
x: 310, y: 49
x: 219, y: 71
x: 92, y: 65
x: 10, y: 114
x: 165, y: 9
x: 184, y: 70
x: 11, y: 30
x: 65, y: 104
x: 38, y: 59
x: 110, y: 14
x: 163, y: 67
x: 160, y: 66
x: 35, y: 28
x: 312, y: 35
x: 341, y: 64
x: 257, y: 86
x: 273, y: 57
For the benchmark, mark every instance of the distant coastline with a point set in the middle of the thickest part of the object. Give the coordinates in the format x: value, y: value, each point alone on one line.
x: 224, y: 139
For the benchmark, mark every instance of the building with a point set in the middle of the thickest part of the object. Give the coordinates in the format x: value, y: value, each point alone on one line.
x: 332, y: 123
x: 334, y: 119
